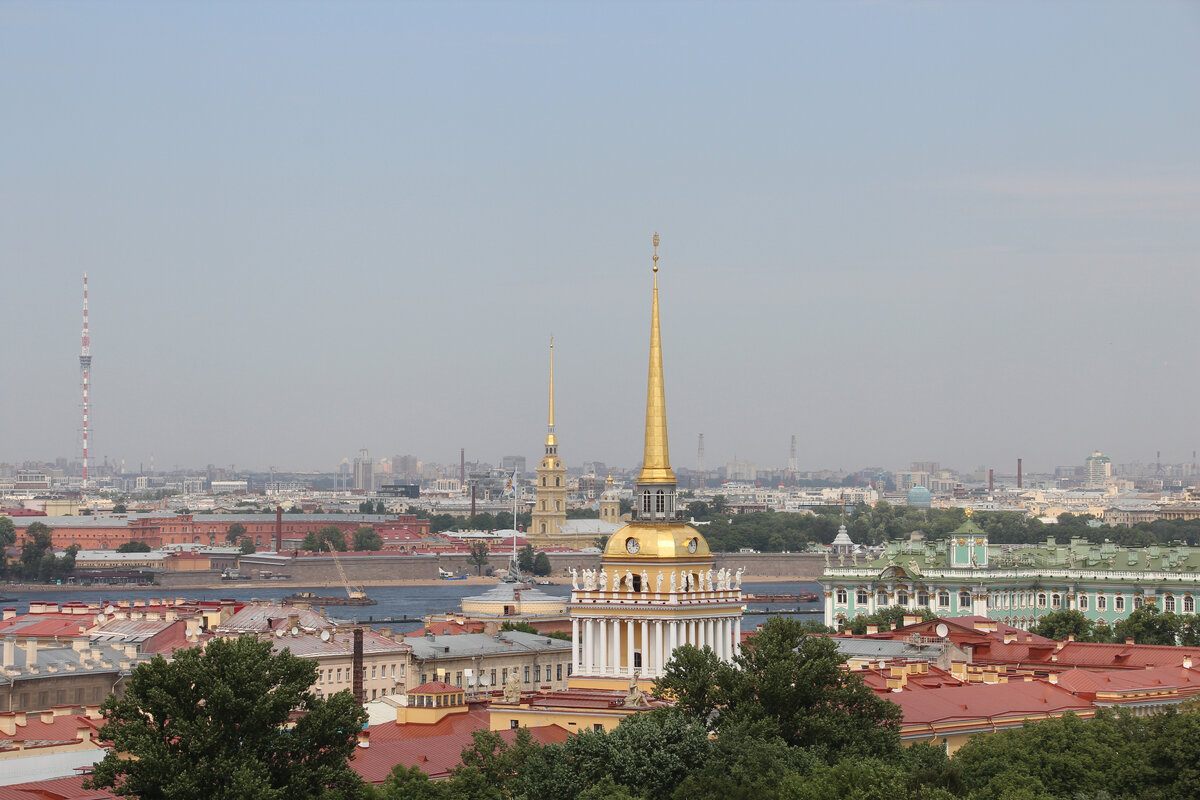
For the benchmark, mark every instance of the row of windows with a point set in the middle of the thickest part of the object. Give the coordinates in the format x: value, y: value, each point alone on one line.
x: 903, y: 598
x: 536, y: 674
x: 334, y: 675
x: 1052, y: 600
x: 557, y: 481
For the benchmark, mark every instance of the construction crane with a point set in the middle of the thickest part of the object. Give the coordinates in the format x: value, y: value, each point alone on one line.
x: 353, y: 592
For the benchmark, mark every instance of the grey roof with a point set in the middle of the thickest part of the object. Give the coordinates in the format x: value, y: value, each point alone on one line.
x: 53, y: 661
x: 258, y: 619
x: 506, y: 593
x: 470, y: 645
x: 886, y: 648
x: 121, y: 520
x: 47, y: 766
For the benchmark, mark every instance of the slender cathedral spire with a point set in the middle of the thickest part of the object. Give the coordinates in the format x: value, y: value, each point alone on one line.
x: 551, y: 439
x: 656, y: 461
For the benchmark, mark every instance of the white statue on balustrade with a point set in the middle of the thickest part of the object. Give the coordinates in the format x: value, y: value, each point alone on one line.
x: 672, y: 581
x: 629, y: 580
x: 645, y: 582
x: 737, y: 584
x: 658, y: 582
x: 603, y: 581
x: 574, y: 578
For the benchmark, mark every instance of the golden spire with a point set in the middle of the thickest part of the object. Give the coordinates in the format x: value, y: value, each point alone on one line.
x: 551, y: 439
x: 656, y: 462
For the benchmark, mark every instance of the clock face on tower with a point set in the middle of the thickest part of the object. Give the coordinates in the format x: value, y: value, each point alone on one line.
x: 692, y: 545
x: 632, y: 546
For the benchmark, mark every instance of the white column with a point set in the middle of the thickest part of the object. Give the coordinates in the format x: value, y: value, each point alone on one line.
x: 575, y: 643
x: 674, y: 638
x: 659, y: 660
x: 629, y: 634
x: 737, y: 635
x: 726, y: 638
x: 588, y: 643
x: 603, y: 646
x: 646, y: 668
x: 710, y: 630
x: 614, y: 648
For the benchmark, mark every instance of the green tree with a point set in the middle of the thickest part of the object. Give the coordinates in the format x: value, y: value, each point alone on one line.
x: 8, y: 537
x: 1148, y: 625
x: 380, y: 508
x: 1059, y: 625
x: 231, y: 721
x: 408, y: 783
x: 541, y: 565
x: 327, y: 538
x: 366, y: 507
x: 366, y: 538
x: 525, y: 559
x: 247, y: 546
x: 235, y: 533
x: 134, y: 547
x: 119, y: 508
x: 478, y: 555
x: 796, y: 684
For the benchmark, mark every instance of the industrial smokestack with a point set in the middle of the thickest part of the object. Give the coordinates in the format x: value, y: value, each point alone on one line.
x: 462, y: 466
x: 359, y: 693
x: 1019, y: 481
x: 991, y: 480
x: 278, y: 529
x: 472, y: 499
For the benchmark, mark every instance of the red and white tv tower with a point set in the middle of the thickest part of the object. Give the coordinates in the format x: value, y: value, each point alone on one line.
x: 85, y: 367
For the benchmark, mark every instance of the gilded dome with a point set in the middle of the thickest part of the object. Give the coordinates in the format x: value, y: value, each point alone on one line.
x: 654, y: 542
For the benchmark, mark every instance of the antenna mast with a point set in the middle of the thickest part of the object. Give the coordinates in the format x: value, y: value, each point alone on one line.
x: 85, y: 369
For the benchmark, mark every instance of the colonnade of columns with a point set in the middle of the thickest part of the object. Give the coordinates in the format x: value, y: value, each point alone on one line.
x: 596, y: 642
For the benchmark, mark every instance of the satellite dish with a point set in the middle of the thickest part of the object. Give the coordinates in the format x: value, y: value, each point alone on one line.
x: 470, y: 680
x: 279, y: 633
x: 942, y: 630
x: 295, y: 631
x: 484, y: 680
x: 324, y: 636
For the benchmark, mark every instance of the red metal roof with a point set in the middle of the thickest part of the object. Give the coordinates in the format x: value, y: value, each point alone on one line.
x: 436, y: 756
x: 436, y: 687
x: 986, y: 702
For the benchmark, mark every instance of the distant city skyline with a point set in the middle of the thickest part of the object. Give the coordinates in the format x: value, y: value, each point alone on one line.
x: 957, y: 232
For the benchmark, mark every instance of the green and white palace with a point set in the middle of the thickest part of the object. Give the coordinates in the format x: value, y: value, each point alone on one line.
x: 1015, y: 584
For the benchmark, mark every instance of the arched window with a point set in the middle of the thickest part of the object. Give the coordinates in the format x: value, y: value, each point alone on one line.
x: 543, y: 505
x: 902, y: 598
x: 543, y: 480
x: 943, y: 599
x: 1119, y: 604
x: 558, y: 505
x: 1055, y: 600
x: 1189, y: 604
x: 1169, y: 603
x: 1137, y: 602
x: 1083, y: 602
x: 660, y: 502
x: 881, y: 597
x: 841, y: 596
x: 1101, y: 603
x: 557, y: 481
x: 923, y: 598
x: 1041, y: 600
x: 860, y: 597
x: 543, y: 527
x: 646, y: 502
x: 964, y: 600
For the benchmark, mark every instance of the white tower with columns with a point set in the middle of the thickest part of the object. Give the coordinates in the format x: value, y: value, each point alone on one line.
x: 656, y: 588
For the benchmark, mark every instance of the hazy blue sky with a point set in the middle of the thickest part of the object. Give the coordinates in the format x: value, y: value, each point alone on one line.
x: 956, y: 231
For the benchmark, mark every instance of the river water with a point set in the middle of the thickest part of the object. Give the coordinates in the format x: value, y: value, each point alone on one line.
x: 398, y: 602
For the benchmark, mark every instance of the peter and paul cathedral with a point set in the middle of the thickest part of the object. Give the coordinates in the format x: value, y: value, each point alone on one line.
x: 550, y: 493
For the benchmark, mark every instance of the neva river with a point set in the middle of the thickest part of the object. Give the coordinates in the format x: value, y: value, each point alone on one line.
x: 396, y: 602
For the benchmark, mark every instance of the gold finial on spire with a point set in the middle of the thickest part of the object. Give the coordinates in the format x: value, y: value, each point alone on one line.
x: 551, y: 439
x: 656, y: 461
